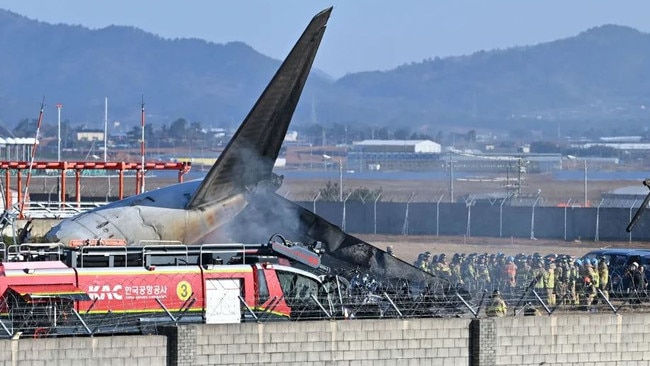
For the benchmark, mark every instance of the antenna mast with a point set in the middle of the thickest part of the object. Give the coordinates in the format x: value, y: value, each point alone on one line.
x: 142, y: 148
x: 105, y: 129
x: 31, y: 162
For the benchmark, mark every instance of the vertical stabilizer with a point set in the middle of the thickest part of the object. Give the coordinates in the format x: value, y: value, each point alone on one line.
x: 249, y: 157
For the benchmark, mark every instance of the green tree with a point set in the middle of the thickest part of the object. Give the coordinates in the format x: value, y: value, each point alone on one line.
x: 25, y: 128
x: 196, y: 134
x: 402, y: 133
x: 544, y: 147
x: 178, y: 131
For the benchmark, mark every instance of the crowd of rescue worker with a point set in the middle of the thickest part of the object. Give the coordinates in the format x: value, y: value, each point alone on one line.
x: 556, y: 279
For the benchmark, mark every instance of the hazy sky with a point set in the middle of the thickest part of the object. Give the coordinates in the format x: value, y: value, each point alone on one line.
x: 362, y: 35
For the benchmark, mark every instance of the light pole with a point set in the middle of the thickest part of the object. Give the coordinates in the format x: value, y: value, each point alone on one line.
x: 58, y: 109
x: 451, y: 178
x: 340, y: 163
x: 584, y: 162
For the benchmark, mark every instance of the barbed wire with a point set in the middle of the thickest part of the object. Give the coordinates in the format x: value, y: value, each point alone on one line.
x: 361, y: 295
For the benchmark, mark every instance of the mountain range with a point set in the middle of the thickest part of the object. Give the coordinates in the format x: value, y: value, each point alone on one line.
x: 598, y: 79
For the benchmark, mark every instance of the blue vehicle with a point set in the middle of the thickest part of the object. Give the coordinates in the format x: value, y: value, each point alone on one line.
x: 619, y: 261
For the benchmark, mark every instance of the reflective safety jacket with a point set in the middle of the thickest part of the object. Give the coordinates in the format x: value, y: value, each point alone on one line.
x: 497, y: 307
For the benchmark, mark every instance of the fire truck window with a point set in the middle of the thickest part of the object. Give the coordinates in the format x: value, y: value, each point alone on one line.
x: 297, y: 288
x: 262, y: 287
x: 287, y: 283
x: 306, y: 287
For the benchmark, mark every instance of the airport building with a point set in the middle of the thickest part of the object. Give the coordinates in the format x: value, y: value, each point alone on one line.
x: 394, y: 155
x: 424, y: 154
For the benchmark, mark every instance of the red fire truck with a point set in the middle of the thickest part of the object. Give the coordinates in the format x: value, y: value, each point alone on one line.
x: 94, y: 289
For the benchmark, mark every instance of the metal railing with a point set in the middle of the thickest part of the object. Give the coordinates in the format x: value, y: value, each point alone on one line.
x: 58, y: 210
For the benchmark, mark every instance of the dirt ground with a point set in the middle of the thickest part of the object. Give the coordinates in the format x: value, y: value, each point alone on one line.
x: 408, y: 247
x: 553, y: 192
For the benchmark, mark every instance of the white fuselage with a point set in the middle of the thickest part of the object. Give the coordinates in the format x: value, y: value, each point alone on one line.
x: 156, y: 215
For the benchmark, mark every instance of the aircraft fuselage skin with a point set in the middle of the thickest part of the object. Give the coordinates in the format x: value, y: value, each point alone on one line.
x: 159, y: 215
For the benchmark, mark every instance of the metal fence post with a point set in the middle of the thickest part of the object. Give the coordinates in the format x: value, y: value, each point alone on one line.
x: 438, y: 214
x: 565, y: 208
x: 597, y: 237
x: 314, y: 201
x: 345, y: 201
x: 501, y: 217
x: 375, y: 212
x: 630, y: 219
x: 532, y: 218
x: 405, y: 227
x: 468, y: 232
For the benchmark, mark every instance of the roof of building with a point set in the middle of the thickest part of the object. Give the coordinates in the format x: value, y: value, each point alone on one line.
x: 392, y: 142
x: 17, y: 140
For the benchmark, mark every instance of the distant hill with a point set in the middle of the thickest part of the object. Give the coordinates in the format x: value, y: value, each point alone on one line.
x: 601, y: 74
x: 212, y: 83
x: 592, y: 79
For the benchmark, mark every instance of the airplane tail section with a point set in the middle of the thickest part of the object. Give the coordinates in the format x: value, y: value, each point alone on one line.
x: 248, y: 159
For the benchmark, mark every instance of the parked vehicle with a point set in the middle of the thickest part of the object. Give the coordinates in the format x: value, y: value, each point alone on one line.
x: 619, y: 261
x: 52, y: 289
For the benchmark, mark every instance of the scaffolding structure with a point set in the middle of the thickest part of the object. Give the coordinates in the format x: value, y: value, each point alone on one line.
x: 78, y: 167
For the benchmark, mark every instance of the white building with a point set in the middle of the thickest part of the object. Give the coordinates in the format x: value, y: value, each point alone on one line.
x: 405, y: 146
x: 394, y: 155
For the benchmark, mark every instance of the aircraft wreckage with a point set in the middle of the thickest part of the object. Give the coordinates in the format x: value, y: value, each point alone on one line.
x: 115, y: 271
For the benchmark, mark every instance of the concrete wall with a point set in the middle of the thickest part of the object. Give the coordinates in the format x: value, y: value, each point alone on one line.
x: 565, y: 339
x: 81, y: 351
x: 592, y: 339
x: 568, y: 339
x: 357, y: 342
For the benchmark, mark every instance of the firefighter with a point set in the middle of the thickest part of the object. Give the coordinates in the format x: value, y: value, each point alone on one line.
x: 561, y: 279
x: 510, y: 273
x: 603, y: 275
x: 468, y: 270
x: 539, y: 274
x: 573, y: 277
x: 389, y: 250
x: 441, y: 268
x: 549, y: 283
x: 524, y: 270
x: 562, y: 274
x: 456, y: 277
x: 497, y: 307
x: 578, y: 283
x: 590, y: 283
x: 482, y: 273
x: 636, y: 282
x: 424, y: 262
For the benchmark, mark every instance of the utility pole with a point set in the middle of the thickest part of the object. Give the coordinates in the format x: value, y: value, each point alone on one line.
x: 584, y: 164
x: 451, y: 178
